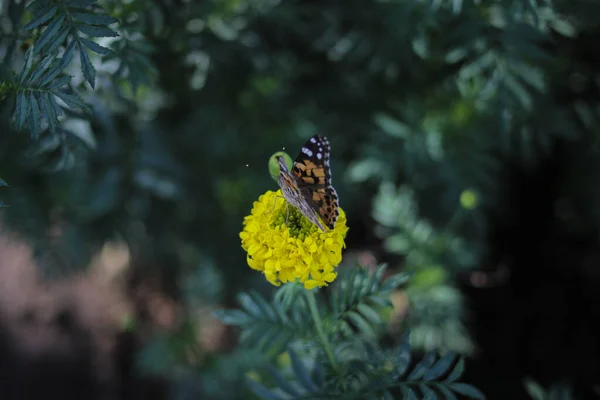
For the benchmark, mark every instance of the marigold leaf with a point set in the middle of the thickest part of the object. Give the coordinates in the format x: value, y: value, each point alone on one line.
x: 68, y: 54
x: 404, y: 356
x: 380, y: 300
x: 428, y: 393
x: 89, y: 72
x: 262, y: 391
x: 50, y: 33
x: 73, y: 101
x: 362, y: 325
x: 282, y: 382
x: 22, y: 110
x: 58, y: 41
x: 95, y: 47
x: 440, y: 367
x: 467, y: 390
x: 232, y: 317
x: 34, y: 117
x: 370, y: 314
x: 39, y: 70
x: 94, y: 19
x: 50, y: 74
x: 60, y: 82
x: 396, y: 280
x: 250, y: 306
x: 448, y: 395
x: 422, y: 367
x: 81, y: 3
x: 387, y: 396
x: 28, y: 63
x: 96, y: 31
x: 457, y: 371
x: 265, y: 307
x: 301, y: 372
x: 41, y: 19
x: 408, y: 393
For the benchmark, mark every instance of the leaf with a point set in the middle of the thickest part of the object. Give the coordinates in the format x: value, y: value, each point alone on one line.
x: 362, y: 325
x: 22, y: 110
x: 428, y: 393
x: 534, y: 389
x: 266, y: 309
x: 50, y: 33
x: 73, y: 101
x: 448, y: 395
x: 262, y: 391
x: 232, y: 317
x: 301, y: 372
x: 94, y: 19
x: 89, y: 72
x: 404, y: 356
x: 3, y: 183
x: 95, y: 47
x: 96, y: 31
x: 50, y: 74
x: 41, y: 19
x: 422, y: 367
x: 457, y: 371
x: 467, y: 390
x: 81, y: 3
x: 397, y: 280
x: 68, y: 54
x: 48, y: 111
x: 28, y: 63
x: 39, y: 70
x: 440, y: 367
x: 371, y: 315
x: 249, y: 305
x: 34, y: 117
x: 60, y: 82
x: 60, y: 39
x: 283, y: 383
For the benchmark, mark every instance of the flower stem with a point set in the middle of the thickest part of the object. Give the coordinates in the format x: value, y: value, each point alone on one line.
x: 312, y: 304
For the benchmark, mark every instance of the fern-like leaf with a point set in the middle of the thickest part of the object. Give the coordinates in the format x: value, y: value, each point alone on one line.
x: 39, y: 86
x: 67, y: 21
x: 268, y: 327
x: 358, y: 297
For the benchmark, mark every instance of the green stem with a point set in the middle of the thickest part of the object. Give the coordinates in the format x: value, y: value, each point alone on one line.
x: 312, y: 304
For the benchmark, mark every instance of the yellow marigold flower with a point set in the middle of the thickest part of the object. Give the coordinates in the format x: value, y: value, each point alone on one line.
x: 294, y: 251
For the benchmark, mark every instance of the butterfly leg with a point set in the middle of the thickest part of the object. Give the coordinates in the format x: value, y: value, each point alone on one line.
x: 274, y: 203
x: 287, y: 212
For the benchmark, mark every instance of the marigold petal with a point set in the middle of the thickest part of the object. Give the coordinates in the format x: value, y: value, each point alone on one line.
x: 311, y: 284
x: 299, y: 252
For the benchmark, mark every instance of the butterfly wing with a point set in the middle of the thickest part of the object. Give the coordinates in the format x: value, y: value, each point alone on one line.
x: 313, y: 174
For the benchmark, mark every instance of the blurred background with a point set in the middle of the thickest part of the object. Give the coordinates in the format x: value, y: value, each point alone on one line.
x: 465, y: 149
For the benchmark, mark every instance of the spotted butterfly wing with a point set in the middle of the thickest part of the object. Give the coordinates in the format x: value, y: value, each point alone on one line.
x: 313, y: 174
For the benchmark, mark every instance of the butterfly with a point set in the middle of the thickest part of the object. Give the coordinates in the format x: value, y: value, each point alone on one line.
x: 307, y: 186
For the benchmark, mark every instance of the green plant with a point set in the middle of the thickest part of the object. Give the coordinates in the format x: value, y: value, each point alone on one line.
x: 334, y: 348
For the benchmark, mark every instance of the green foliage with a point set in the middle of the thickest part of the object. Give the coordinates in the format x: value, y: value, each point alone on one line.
x: 557, y: 391
x: 67, y: 22
x: 423, y: 103
x: 39, y: 87
x: 358, y: 368
x: 42, y: 91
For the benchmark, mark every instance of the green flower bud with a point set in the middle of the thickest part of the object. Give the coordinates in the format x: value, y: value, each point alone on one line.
x: 274, y: 164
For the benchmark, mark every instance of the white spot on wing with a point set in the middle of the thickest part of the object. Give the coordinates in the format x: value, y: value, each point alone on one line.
x: 319, y: 156
x: 313, y: 140
x: 307, y: 152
